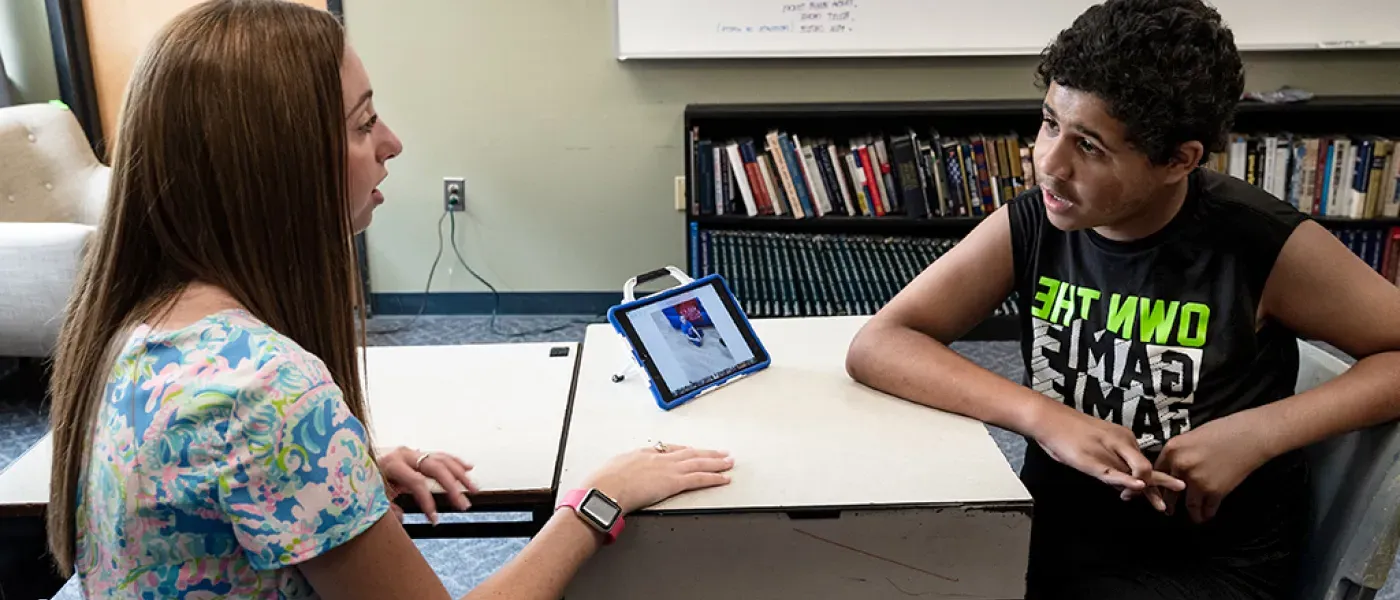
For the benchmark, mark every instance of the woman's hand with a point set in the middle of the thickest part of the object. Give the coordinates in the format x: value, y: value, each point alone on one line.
x: 644, y: 477
x: 407, y: 473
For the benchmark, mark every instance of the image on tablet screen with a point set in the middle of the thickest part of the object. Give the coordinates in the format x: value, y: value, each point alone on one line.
x: 692, y: 339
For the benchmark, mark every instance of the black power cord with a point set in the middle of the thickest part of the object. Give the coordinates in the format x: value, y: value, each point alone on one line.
x: 495, y: 294
x: 427, y: 288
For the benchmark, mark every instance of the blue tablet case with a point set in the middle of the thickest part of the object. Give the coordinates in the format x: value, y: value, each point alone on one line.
x: 741, y: 320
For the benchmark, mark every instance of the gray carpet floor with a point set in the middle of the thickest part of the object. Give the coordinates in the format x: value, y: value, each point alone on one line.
x: 462, y: 564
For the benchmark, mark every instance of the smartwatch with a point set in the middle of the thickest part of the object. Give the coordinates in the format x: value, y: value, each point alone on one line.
x: 596, y: 509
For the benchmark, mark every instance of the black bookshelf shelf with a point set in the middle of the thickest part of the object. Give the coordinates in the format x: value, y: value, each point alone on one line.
x: 1323, y: 117
x: 931, y: 227
x: 865, y: 110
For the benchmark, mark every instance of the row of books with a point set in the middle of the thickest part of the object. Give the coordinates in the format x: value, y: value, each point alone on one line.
x: 804, y: 275
x: 1378, y: 247
x: 1340, y: 176
x: 872, y: 176
x: 903, y: 174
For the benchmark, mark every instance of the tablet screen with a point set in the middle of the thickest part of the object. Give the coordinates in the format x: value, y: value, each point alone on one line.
x: 691, y: 338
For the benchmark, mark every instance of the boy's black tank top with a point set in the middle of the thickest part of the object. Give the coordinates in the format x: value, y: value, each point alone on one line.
x: 1160, y: 335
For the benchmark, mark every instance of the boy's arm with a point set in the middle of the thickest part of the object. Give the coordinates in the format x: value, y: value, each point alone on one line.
x: 1320, y: 290
x: 903, y: 351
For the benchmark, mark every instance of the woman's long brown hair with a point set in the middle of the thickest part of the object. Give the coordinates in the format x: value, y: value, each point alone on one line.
x: 228, y: 169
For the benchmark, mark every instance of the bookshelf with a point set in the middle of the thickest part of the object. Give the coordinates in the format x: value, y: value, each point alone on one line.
x: 1006, y: 126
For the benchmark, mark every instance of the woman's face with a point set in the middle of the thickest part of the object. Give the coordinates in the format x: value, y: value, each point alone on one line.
x: 368, y: 140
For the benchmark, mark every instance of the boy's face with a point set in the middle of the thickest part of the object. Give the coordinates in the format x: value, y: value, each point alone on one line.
x: 1091, y: 176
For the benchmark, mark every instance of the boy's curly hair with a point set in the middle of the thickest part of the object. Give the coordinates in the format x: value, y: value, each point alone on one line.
x: 1168, y: 69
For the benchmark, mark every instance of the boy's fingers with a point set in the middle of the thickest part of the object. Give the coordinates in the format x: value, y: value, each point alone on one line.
x: 1164, y: 480
x: 1154, y: 496
x: 1118, y: 478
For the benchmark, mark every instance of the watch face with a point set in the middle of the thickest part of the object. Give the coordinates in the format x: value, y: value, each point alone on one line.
x: 600, y: 509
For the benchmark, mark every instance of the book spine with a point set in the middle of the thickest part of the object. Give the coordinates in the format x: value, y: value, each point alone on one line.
x: 772, y: 187
x: 1380, y: 163
x: 872, y: 177
x: 721, y: 165
x: 784, y: 173
x: 906, y: 170
x: 812, y: 176
x: 1391, y: 267
x: 1325, y: 203
x: 1360, y: 179
x: 761, y: 200
x: 706, y: 262
x: 741, y: 178
x: 889, y: 190
x: 692, y: 183
x: 828, y: 178
x: 957, y: 195
x: 838, y: 169
x: 858, y: 185
x: 1392, y: 208
x: 973, y: 177
x: 696, y: 249
x: 798, y: 174
x: 984, y: 182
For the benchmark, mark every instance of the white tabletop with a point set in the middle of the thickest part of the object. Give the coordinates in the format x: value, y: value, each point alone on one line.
x: 24, y: 485
x: 499, y: 407
x: 802, y: 433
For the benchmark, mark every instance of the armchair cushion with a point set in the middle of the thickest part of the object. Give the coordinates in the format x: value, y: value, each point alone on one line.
x: 48, y: 173
x: 38, y: 265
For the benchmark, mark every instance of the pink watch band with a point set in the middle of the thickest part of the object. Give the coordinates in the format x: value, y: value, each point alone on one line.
x: 574, y: 499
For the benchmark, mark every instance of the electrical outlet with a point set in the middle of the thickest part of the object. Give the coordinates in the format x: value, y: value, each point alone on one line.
x: 680, y: 193
x: 454, y: 194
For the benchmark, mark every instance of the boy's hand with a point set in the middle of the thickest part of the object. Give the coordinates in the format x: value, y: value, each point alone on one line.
x: 1103, y: 450
x: 1212, y: 460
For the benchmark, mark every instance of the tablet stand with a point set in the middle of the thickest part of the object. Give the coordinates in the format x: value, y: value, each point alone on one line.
x: 629, y: 295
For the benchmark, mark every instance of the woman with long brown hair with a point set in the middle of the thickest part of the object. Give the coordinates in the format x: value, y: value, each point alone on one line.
x: 210, y: 432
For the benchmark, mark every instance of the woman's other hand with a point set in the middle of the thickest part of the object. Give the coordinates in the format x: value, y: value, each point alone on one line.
x: 412, y: 471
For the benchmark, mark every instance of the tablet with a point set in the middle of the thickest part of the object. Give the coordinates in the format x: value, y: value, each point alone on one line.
x: 690, y: 339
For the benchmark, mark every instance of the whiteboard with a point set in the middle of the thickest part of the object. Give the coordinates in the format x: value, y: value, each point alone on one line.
x: 854, y: 28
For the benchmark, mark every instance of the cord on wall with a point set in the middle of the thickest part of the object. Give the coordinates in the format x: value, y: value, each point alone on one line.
x: 426, y: 288
x: 451, y: 217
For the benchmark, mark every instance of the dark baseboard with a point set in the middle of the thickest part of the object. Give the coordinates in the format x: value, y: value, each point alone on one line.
x: 481, y: 303
x: 24, y: 380
x: 578, y: 303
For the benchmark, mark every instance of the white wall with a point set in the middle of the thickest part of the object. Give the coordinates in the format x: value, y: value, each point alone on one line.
x: 28, y: 54
x: 570, y: 155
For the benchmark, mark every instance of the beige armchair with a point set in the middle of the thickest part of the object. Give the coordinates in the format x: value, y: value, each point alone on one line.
x: 52, y: 191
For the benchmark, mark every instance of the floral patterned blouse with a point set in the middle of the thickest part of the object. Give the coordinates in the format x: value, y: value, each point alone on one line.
x: 223, y: 454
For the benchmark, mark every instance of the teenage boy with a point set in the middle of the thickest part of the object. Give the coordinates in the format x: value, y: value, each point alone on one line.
x: 1160, y: 307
